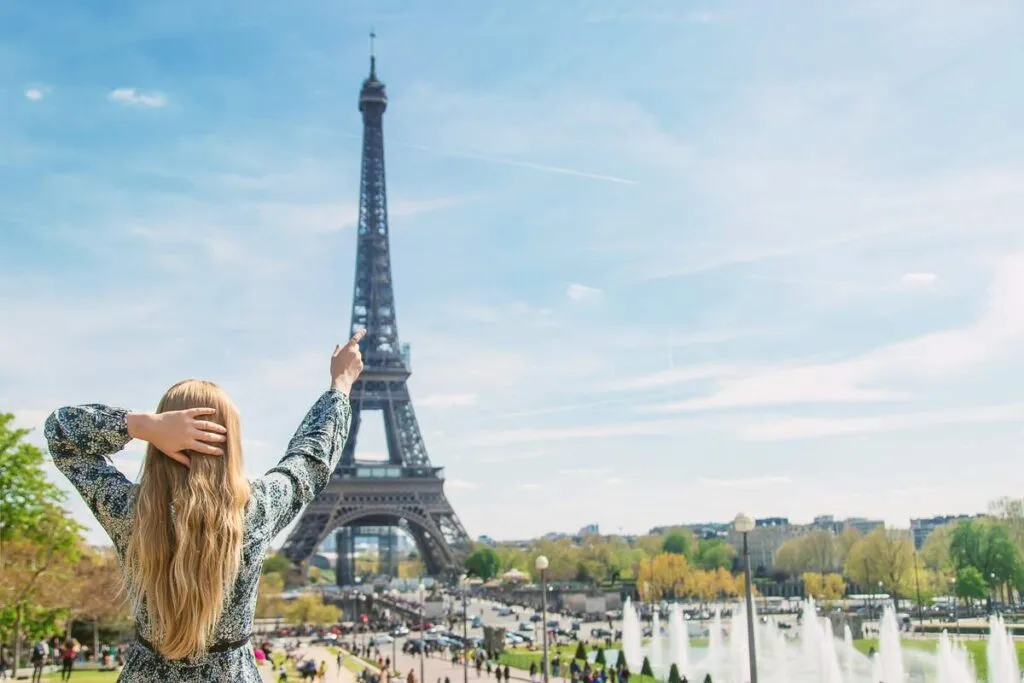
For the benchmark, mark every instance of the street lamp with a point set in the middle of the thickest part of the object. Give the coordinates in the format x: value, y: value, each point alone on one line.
x: 422, y: 595
x: 744, y: 525
x: 464, y: 581
x: 542, y: 566
x: 394, y: 640
x: 956, y: 604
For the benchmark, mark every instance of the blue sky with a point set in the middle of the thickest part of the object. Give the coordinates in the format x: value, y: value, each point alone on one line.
x: 658, y: 262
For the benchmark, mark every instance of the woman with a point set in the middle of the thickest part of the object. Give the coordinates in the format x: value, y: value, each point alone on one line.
x: 68, y: 652
x: 192, y: 534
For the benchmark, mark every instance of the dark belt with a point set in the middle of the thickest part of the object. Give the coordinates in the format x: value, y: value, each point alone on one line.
x: 222, y: 646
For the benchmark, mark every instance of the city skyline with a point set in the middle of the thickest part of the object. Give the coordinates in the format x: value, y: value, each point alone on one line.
x: 652, y: 264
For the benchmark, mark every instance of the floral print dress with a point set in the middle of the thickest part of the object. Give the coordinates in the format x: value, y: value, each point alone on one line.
x: 80, y: 439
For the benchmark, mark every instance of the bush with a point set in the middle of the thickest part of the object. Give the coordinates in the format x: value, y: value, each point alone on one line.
x: 599, y: 659
x: 707, y: 679
x: 646, y: 670
x: 581, y: 652
x: 673, y: 674
x: 620, y: 660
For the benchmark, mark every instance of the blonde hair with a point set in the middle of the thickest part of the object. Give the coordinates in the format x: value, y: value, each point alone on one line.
x: 185, y: 548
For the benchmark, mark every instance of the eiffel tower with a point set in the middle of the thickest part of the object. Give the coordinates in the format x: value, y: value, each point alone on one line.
x: 375, y: 498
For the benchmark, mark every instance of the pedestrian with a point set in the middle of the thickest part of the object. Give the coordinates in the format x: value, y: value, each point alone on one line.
x: 506, y: 673
x: 164, y: 520
x: 68, y: 652
x: 38, y: 659
x: 321, y: 673
x: 411, y: 678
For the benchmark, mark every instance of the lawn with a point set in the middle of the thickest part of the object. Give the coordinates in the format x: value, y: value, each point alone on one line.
x: 518, y: 658
x: 79, y: 676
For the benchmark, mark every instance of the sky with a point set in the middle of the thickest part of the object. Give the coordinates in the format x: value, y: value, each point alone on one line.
x: 658, y: 262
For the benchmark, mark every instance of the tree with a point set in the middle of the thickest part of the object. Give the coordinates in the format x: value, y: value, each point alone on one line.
x: 987, y: 546
x: 714, y: 553
x: 581, y: 651
x: 310, y: 609
x: 970, y: 584
x: 935, y: 550
x: 268, y: 599
x: 484, y: 563
x: 97, y: 594
x: 599, y: 657
x: 814, y: 585
x: 36, y: 576
x: 276, y: 563
x: 886, y: 556
x: 818, y: 552
x: 646, y: 670
x: 673, y: 674
x: 38, y: 541
x: 665, y: 575
x: 678, y: 542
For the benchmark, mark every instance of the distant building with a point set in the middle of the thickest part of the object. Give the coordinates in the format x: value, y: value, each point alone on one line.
x: 864, y: 526
x: 922, y: 528
x: 764, y: 541
x: 487, y: 541
x: 590, y: 530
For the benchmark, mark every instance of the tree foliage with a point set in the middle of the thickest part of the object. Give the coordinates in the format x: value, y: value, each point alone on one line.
x: 678, y: 542
x: 714, y: 554
x: 824, y: 587
x: 581, y: 651
x: 987, y: 546
x: 484, y: 563
x: 310, y: 609
x: 886, y: 556
x: 276, y: 563
x: 819, y: 551
x: 646, y: 669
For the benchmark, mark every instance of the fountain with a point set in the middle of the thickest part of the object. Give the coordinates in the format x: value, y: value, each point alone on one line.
x: 813, y: 655
x: 678, y: 639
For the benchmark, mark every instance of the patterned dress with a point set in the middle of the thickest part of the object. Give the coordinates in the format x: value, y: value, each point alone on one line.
x: 80, y: 437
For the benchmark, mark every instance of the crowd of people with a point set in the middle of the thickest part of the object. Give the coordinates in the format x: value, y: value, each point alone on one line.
x: 62, y: 656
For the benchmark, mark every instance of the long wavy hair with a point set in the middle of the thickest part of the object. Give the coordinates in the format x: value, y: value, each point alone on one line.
x: 185, y: 548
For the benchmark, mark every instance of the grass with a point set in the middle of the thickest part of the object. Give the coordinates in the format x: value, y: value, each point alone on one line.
x: 78, y: 676
x: 975, y: 648
x: 521, y: 659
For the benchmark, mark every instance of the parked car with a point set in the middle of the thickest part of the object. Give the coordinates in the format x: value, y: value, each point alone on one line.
x: 535, y: 617
x: 380, y: 639
x: 399, y: 631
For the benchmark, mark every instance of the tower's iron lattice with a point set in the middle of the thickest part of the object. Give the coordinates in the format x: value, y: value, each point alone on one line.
x: 407, y: 491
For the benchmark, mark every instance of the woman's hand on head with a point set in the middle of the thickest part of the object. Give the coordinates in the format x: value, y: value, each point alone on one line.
x: 347, y: 364
x: 176, y: 432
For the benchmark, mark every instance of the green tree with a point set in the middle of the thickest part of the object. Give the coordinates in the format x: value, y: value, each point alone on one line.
x: 673, y: 674
x: 310, y: 609
x: 646, y: 669
x: 678, y: 542
x: 581, y: 651
x: 819, y: 552
x: 39, y: 543
x: 484, y: 563
x: 971, y: 585
x: 599, y: 657
x: 987, y: 546
x: 276, y: 563
x: 714, y: 553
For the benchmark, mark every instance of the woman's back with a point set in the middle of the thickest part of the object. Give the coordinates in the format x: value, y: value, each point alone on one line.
x: 192, y: 537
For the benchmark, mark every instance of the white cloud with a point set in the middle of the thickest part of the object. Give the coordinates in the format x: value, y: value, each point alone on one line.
x: 459, y: 484
x: 137, y: 98
x: 919, y: 278
x: 34, y: 94
x: 447, y: 400
x: 529, y: 487
x: 583, y: 294
x: 673, y: 377
x: 791, y: 428
x: 746, y: 483
x: 996, y: 330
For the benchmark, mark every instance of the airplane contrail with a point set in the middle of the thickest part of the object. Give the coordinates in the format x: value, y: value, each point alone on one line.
x: 522, y: 164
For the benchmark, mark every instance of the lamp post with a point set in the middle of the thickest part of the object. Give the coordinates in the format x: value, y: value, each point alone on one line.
x: 542, y: 566
x: 421, y: 594
x: 956, y: 604
x: 465, y: 630
x: 744, y: 525
x: 394, y: 639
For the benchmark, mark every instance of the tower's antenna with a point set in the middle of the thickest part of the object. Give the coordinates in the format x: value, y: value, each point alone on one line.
x: 373, y: 56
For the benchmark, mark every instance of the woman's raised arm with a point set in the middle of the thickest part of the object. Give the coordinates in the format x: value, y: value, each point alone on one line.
x: 315, y: 449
